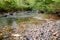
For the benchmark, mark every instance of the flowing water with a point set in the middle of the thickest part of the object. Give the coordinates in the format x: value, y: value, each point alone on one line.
x: 15, y: 27
x: 34, y: 31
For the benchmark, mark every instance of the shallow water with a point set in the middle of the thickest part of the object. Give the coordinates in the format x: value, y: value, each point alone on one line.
x: 23, y: 27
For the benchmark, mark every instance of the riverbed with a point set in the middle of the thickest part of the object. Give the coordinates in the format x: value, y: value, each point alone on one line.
x: 30, y: 26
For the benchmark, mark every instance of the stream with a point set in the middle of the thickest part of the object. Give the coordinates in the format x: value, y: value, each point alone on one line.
x: 50, y: 30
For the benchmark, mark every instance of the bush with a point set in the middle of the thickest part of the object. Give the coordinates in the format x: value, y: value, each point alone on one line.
x: 10, y: 5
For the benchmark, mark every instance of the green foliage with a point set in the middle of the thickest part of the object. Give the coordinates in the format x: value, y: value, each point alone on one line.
x: 56, y: 0
x: 48, y: 5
